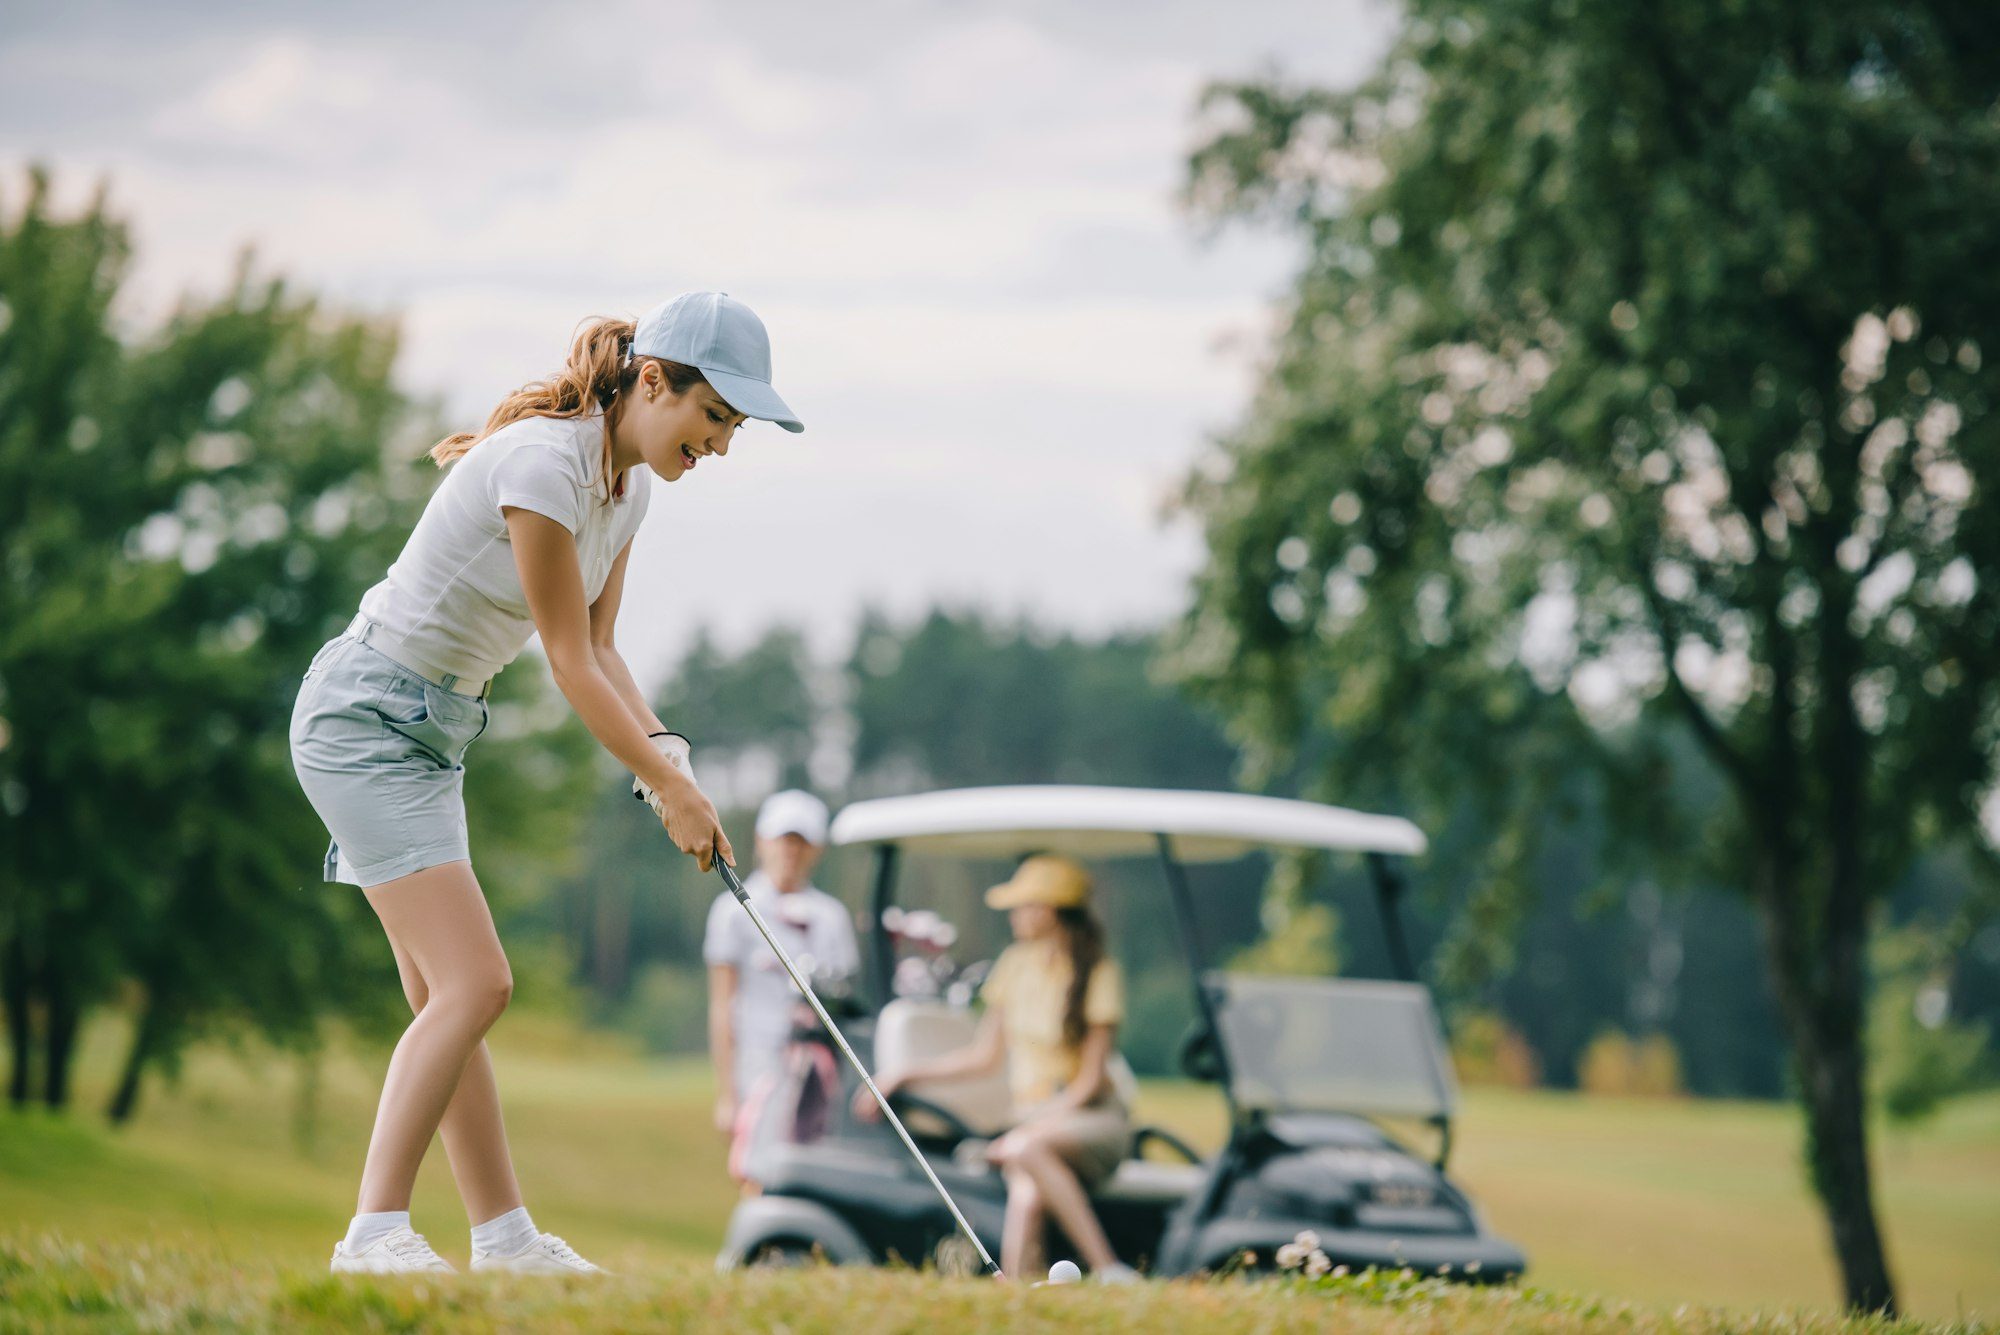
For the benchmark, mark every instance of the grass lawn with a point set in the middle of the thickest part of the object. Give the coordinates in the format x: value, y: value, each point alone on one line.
x: 222, y: 1183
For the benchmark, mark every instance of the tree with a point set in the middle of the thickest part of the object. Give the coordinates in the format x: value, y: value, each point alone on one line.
x: 1636, y: 383
x: 183, y: 516
x: 187, y: 515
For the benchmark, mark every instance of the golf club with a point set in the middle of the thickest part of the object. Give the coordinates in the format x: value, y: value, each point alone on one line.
x: 840, y: 1040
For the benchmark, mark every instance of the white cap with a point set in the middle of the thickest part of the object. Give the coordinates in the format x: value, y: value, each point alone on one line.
x: 793, y: 812
x: 724, y: 340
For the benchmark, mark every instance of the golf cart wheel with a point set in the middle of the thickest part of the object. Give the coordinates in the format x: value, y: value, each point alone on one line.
x: 782, y: 1254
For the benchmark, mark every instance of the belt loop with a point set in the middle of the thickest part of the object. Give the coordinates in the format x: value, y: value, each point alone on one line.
x: 449, y: 680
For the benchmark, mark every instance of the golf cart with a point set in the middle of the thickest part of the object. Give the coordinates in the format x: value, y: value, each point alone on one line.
x: 1309, y: 1068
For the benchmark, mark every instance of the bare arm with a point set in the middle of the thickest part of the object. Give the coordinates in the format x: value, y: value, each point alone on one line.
x: 979, y: 1056
x: 545, y: 554
x: 1092, y: 1074
x: 603, y: 619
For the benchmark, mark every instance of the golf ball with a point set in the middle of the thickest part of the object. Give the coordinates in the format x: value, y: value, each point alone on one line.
x: 1064, y: 1272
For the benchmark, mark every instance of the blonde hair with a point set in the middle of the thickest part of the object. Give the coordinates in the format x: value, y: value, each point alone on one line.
x: 599, y: 369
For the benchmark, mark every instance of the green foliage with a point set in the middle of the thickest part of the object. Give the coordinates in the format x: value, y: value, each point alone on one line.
x: 1307, y: 945
x: 1637, y: 383
x: 1921, y: 1054
x: 1619, y: 1065
x: 1486, y: 1050
x: 950, y: 699
x: 957, y: 700
x: 759, y: 705
x: 188, y: 514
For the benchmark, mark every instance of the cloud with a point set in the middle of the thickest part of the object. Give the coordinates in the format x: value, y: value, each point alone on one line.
x: 956, y: 221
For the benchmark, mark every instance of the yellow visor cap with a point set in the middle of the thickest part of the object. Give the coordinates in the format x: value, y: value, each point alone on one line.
x: 1046, y: 878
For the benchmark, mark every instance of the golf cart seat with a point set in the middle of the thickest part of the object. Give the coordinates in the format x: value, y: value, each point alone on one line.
x: 911, y: 1030
x: 1149, y: 1182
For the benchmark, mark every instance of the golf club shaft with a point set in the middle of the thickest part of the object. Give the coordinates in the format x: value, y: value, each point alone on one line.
x: 736, y: 888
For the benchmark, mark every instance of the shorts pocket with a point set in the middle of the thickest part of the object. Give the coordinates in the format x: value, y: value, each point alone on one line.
x: 401, y: 708
x: 438, y: 722
x: 319, y: 659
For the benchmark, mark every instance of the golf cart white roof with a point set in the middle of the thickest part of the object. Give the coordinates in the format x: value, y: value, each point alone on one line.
x: 1115, y: 822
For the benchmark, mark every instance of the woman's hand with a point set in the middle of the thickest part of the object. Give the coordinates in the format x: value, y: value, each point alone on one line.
x: 865, y: 1107
x: 725, y: 1112
x: 691, y: 822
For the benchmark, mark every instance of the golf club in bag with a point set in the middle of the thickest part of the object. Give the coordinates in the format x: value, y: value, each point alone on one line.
x: 840, y: 1041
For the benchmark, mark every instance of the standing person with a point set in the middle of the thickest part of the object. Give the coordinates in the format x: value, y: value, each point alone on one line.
x: 530, y: 531
x: 1054, y: 1002
x: 750, y: 1000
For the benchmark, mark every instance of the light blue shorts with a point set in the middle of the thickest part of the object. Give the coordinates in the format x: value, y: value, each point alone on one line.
x: 380, y: 752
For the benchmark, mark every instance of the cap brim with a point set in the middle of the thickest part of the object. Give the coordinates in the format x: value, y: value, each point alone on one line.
x: 1000, y: 898
x: 817, y: 838
x: 753, y: 398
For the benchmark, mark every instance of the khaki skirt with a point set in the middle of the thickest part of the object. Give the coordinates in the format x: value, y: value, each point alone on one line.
x: 1093, y: 1140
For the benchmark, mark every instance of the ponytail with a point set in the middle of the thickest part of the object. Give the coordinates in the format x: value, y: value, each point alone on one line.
x: 600, y: 367
x: 1083, y: 937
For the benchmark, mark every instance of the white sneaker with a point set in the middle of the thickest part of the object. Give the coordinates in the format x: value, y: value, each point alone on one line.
x: 1116, y: 1273
x: 546, y: 1255
x: 397, y: 1251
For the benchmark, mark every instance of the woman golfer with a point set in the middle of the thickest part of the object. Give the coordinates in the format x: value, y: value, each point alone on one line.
x: 1054, y: 1002
x: 530, y: 532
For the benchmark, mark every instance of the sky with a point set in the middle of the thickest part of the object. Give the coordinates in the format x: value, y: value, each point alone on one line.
x: 957, y: 220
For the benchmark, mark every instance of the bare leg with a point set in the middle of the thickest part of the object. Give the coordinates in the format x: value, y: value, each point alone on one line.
x: 1062, y: 1196
x: 439, y: 917
x: 1021, y: 1251
x: 475, y: 1137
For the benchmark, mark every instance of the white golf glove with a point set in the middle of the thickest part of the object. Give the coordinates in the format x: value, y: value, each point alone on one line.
x: 676, y: 749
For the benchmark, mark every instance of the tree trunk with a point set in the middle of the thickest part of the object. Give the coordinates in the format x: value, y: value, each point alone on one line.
x: 15, y: 999
x: 1830, y: 1067
x: 1822, y: 1010
x: 60, y: 1038
x: 125, y: 1099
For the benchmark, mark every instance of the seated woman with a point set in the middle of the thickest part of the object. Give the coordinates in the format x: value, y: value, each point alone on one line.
x: 1053, y: 1006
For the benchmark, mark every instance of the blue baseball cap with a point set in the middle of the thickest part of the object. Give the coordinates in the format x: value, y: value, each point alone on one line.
x: 724, y: 340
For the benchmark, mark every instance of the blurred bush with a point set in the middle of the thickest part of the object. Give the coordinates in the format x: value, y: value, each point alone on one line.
x: 1486, y: 1050
x: 1619, y: 1065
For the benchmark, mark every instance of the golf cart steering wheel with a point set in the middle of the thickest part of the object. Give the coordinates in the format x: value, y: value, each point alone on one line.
x: 906, y: 1103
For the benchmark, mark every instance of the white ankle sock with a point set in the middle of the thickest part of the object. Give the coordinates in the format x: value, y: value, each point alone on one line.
x: 368, y: 1229
x: 505, y: 1235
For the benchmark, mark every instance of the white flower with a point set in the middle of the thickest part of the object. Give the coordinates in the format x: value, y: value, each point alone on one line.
x: 1340, y: 1272
x: 1307, y: 1239
x: 1317, y: 1264
x: 1291, y: 1256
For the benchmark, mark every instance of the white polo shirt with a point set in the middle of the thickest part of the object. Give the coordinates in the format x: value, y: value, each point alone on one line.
x: 816, y: 932
x: 454, y: 595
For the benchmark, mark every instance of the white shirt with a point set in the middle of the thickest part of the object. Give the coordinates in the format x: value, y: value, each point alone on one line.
x: 816, y: 932
x: 454, y: 595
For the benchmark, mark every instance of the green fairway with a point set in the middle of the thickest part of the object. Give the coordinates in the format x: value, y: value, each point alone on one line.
x: 1658, y: 1203
x: 52, y: 1284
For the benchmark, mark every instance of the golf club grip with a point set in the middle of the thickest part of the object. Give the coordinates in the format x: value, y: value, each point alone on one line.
x: 730, y: 879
